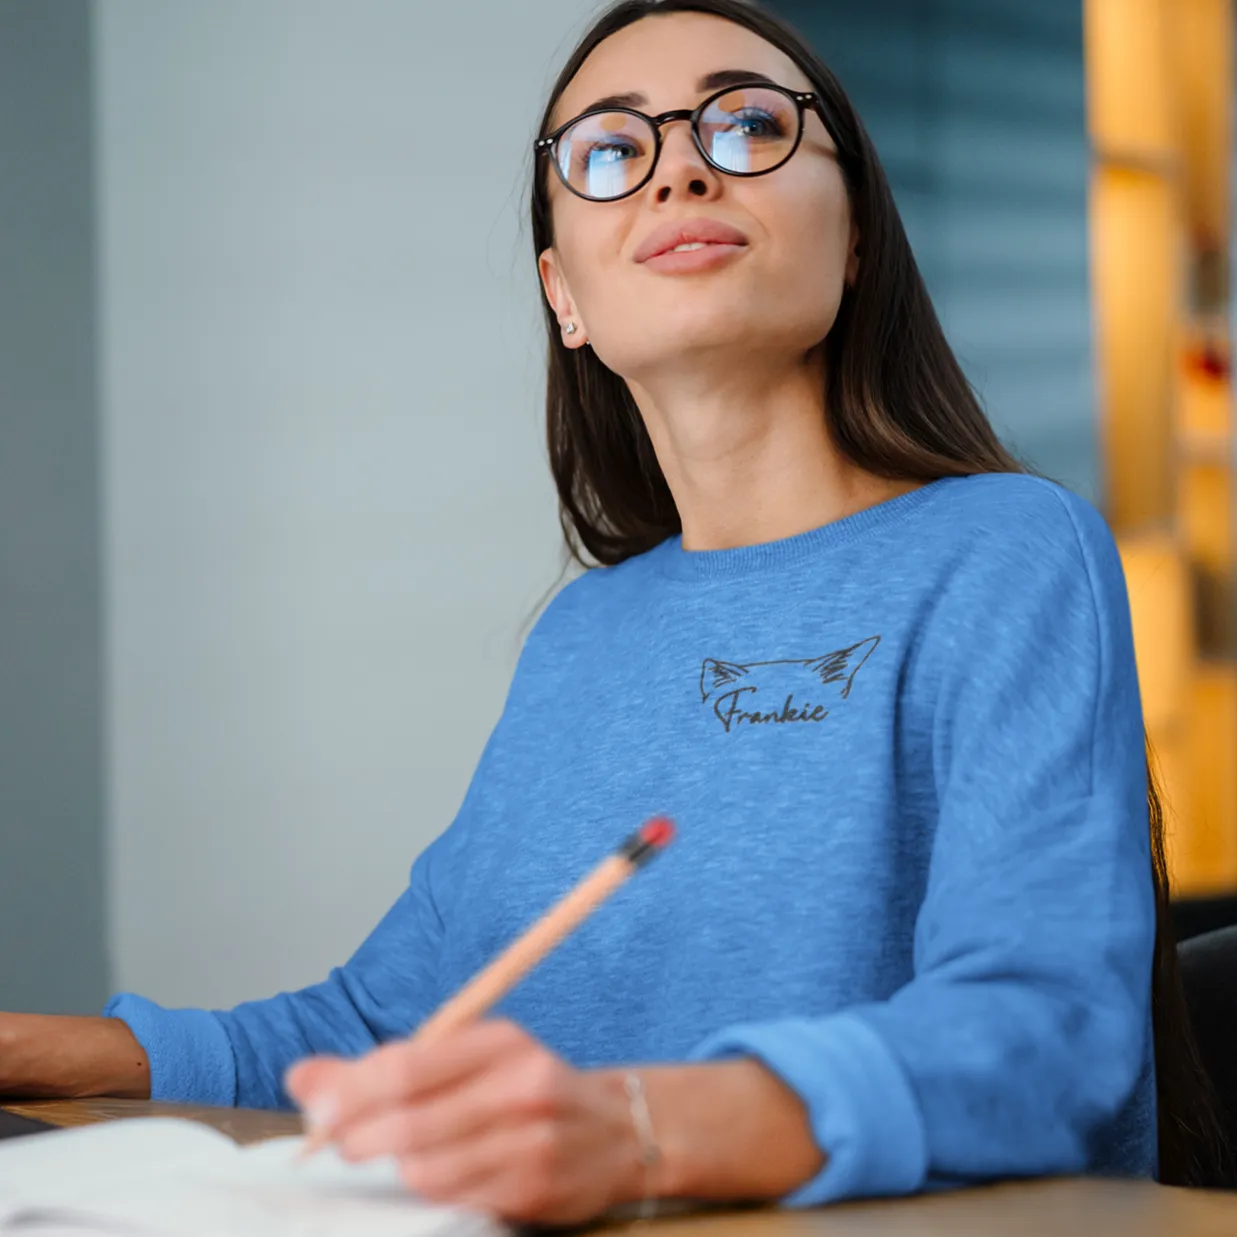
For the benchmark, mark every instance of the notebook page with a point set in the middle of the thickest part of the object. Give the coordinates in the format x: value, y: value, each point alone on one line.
x: 329, y: 1195
x: 268, y: 1192
x: 67, y: 1164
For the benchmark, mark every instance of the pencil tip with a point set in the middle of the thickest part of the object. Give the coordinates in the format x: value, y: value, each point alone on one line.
x: 310, y: 1147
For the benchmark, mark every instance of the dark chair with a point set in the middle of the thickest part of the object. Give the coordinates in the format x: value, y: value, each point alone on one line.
x: 1209, y: 976
x: 1194, y: 916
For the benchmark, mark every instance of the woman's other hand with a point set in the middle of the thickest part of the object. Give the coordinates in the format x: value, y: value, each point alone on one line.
x: 49, y: 1056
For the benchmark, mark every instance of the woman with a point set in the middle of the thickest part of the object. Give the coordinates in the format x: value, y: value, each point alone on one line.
x: 884, y: 684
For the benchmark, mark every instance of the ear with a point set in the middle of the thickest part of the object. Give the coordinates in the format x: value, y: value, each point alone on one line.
x: 842, y: 666
x: 716, y: 674
x: 852, y: 257
x: 554, y: 282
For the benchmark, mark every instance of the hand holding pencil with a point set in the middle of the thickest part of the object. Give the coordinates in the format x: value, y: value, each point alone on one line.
x: 492, y: 983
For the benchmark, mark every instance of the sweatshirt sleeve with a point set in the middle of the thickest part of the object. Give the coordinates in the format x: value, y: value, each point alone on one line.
x: 238, y: 1056
x: 1025, y: 1024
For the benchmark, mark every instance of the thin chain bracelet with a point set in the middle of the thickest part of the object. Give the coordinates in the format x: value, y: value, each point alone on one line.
x: 650, y: 1152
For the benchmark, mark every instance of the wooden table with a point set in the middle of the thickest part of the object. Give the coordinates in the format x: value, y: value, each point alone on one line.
x: 246, y: 1125
x: 1067, y: 1207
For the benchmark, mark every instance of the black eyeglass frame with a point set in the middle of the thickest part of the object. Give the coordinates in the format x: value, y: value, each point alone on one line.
x: 803, y: 99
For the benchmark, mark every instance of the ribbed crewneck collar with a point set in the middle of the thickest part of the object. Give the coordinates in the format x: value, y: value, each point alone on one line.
x: 672, y: 560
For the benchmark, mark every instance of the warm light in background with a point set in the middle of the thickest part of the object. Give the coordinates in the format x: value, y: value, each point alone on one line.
x: 1129, y: 91
x: 1163, y: 614
x: 1202, y: 46
x: 1135, y: 267
x: 1160, y: 85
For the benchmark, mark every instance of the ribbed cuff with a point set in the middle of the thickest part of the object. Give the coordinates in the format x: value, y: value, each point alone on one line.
x: 191, y: 1057
x: 864, y: 1115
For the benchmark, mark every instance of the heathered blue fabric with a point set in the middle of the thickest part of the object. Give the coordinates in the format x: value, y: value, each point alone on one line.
x: 904, y: 752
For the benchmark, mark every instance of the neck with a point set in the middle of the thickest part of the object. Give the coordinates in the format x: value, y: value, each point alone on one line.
x: 747, y: 454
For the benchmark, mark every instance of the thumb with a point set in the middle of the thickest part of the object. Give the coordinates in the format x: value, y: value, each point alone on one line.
x: 311, y: 1083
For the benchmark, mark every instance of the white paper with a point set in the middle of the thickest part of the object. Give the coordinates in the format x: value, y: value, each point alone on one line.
x: 169, y: 1178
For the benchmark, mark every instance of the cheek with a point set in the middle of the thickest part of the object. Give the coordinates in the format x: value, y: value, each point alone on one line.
x: 812, y: 245
x: 813, y: 228
x: 589, y: 238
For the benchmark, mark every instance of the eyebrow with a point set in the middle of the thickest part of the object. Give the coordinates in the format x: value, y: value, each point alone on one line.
x: 710, y: 81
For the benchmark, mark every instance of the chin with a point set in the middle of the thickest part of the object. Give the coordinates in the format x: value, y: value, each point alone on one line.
x: 724, y: 323
x: 660, y: 350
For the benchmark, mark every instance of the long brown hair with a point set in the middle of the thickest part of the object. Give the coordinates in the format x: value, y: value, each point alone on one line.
x: 899, y: 406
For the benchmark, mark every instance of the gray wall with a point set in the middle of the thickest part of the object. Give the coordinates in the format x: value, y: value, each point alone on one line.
x: 51, y: 899
x: 327, y: 508
x: 977, y: 109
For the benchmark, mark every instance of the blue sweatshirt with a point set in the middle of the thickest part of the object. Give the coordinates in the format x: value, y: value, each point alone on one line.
x: 904, y: 752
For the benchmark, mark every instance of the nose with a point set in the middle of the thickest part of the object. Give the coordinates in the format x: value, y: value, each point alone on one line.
x: 681, y: 169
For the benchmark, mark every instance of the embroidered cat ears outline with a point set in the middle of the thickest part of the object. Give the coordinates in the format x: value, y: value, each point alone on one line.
x: 725, y: 682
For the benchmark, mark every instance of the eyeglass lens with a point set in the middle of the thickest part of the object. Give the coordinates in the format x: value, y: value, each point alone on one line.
x: 744, y: 131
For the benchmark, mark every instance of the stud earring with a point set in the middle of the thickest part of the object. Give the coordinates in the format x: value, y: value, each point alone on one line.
x: 570, y: 328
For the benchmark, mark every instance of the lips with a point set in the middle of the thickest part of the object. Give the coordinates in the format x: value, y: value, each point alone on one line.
x: 686, y: 232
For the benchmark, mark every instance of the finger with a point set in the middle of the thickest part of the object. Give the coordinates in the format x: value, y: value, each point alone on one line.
x: 519, y: 1087
x: 509, y: 1170
x: 309, y: 1073
x: 407, y: 1072
x: 310, y: 1077
x: 519, y: 1173
x: 405, y: 1130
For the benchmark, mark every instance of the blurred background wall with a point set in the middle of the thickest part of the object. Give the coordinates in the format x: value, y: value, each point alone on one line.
x: 52, y: 953
x: 326, y: 508
x: 978, y: 111
x: 272, y: 355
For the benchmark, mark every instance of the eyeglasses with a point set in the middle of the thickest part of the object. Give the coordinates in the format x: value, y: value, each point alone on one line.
x: 744, y: 130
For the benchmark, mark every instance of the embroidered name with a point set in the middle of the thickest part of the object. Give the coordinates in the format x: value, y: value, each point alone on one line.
x: 732, y: 687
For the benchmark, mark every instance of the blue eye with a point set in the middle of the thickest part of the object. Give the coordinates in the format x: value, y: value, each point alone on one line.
x: 610, y: 152
x: 755, y: 122
x: 588, y: 151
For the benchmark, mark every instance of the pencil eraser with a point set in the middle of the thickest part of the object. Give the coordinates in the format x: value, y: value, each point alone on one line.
x: 658, y: 832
